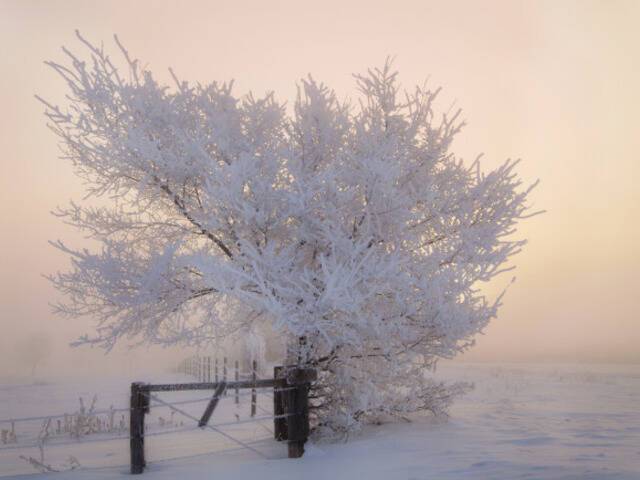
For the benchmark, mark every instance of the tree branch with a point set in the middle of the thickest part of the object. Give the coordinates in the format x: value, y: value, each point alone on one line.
x: 179, y: 203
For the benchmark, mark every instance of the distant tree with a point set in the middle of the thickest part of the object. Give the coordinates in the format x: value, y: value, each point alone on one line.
x: 33, y: 350
x: 350, y: 228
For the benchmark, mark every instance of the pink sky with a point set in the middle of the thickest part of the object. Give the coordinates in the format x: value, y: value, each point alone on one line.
x: 554, y: 83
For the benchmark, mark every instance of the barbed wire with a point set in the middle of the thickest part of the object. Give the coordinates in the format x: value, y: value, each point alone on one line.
x: 83, y: 440
x: 157, y: 405
x: 62, y: 444
x: 63, y: 415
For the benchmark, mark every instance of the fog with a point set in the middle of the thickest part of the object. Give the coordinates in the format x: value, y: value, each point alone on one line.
x: 553, y: 83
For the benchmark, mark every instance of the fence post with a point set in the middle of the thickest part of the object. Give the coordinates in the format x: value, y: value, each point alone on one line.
x: 224, y: 372
x: 279, y: 424
x: 298, y: 381
x: 139, y: 404
x: 237, y: 377
x: 216, y: 369
x: 254, y: 399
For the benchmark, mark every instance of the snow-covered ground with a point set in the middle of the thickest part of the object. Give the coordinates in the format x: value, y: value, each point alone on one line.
x: 521, y: 421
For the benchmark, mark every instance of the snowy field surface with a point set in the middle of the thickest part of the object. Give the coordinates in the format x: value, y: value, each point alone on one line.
x: 520, y: 422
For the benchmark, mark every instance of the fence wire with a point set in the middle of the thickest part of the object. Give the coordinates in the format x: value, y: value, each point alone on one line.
x: 214, y: 428
x: 157, y: 403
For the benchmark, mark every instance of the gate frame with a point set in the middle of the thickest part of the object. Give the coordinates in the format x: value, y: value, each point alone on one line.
x: 291, y: 398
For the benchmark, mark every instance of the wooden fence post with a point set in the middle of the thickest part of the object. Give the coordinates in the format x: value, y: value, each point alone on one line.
x: 139, y: 404
x: 279, y: 424
x: 254, y: 397
x: 224, y: 371
x: 237, y: 377
x: 217, y: 370
x: 297, y: 407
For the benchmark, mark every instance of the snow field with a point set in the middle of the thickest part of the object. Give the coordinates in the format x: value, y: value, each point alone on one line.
x: 521, y: 421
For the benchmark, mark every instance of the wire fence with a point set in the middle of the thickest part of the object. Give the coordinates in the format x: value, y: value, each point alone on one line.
x: 58, y: 434
x: 127, y: 409
x: 152, y: 433
x: 155, y: 404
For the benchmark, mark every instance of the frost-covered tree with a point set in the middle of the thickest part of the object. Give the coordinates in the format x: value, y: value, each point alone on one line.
x: 349, y: 228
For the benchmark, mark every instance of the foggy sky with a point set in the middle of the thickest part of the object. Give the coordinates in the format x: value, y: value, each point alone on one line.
x: 554, y: 83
